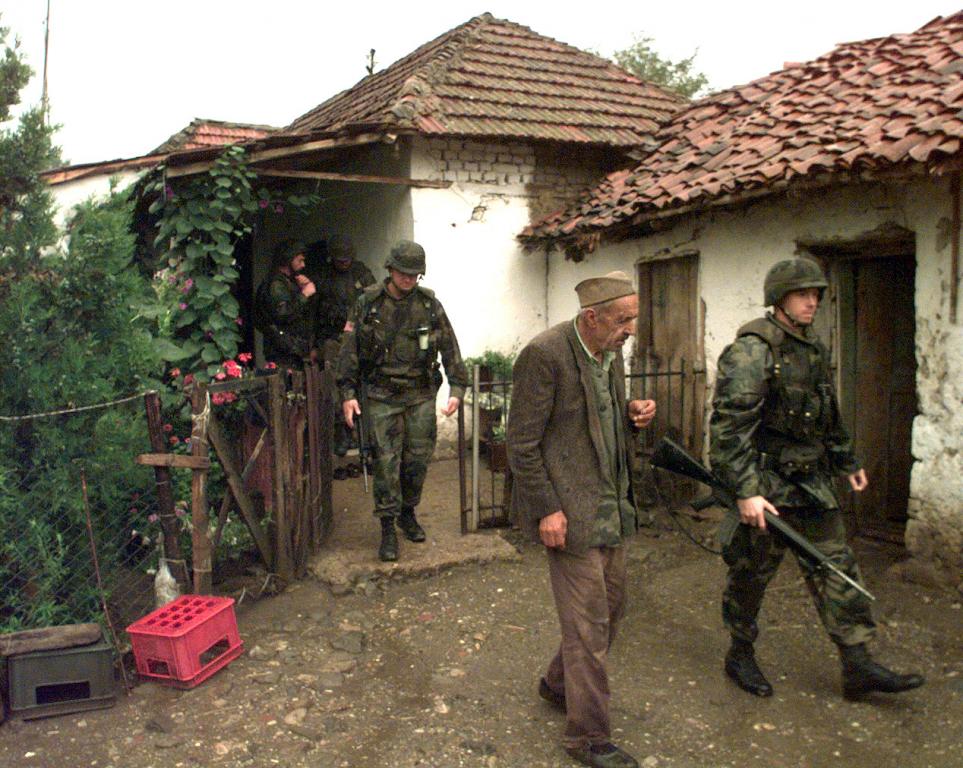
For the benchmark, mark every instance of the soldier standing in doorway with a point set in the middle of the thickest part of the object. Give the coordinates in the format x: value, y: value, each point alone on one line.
x: 777, y: 440
x: 283, y: 308
x: 341, y: 279
x: 388, y: 366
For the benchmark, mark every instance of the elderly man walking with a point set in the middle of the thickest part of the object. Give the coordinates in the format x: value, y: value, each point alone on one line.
x: 568, y: 443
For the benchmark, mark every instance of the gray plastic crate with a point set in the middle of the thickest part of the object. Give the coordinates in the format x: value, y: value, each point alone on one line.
x: 65, y: 680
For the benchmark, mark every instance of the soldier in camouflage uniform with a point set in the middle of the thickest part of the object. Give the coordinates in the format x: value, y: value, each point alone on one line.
x: 340, y: 280
x: 777, y: 440
x: 283, y: 308
x: 390, y: 346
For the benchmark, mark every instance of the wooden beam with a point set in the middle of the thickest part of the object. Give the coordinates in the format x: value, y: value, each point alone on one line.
x: 201, y: 416
x: 354, y: 177
x: 176, y: 460
x: 235, y: 481
x: 190, y: 169
x: 238, y: 385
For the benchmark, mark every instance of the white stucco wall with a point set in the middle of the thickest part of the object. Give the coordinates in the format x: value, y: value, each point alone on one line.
x: 736, y: 249
x: 71, y: 193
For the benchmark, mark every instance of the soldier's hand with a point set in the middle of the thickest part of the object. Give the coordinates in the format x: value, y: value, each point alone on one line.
x: 350, y: 409
x: 641, y: 412
x: 307, y: 287
x: 858, y: 480
x: 751, y: 511
x: 453, y: 403
x: 552, y: 529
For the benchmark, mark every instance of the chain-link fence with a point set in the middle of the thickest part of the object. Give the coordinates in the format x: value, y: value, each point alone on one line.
x: 78, y: 519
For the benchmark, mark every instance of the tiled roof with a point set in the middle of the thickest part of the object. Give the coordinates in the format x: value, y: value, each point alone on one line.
x: 494, y: 78
x: 201, y: 134
x: 870, y: 105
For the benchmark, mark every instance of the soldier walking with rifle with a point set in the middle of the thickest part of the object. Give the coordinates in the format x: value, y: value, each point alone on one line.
x: 389, y: 353
x: 776, y: 440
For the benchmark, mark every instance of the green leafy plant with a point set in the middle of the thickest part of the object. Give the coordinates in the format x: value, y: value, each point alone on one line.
x: 201, y: 219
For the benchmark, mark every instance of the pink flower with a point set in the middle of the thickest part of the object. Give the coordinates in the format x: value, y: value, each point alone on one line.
x: 218, y: 397
x: 232, y: 369
x: 152, y: 518
x: 133, y: 510
x: 278, y: 208
x: 175, y: 372
x: 175, y: 440
x: 189, y: 379
x: 244, y: 357
x: 220, y: 376
x: 188, y: 284
x: 180, y: 511
x: 263, y: 203
x: 239, y: 321
x: 182, y: 306
x: 271, y: 366
x: 168, y: 192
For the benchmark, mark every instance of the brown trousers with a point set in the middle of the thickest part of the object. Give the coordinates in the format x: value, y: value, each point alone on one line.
x: 589, y: 591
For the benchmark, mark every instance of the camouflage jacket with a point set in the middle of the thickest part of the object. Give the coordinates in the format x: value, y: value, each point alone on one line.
x: 337, y: 292
x: 394, y: 344
x: 775, y: 428
x: 283, y: 315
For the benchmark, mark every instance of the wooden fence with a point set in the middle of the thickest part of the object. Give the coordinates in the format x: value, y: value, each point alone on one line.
x: 278, y: 473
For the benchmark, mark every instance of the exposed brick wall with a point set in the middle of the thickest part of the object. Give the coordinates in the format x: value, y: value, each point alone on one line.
x: 552, y: 176
x: 563, y: 172
x: 475, y: 162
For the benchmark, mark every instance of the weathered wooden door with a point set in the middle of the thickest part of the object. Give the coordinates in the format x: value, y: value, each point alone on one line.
x: 668, y: 350
x: 878, y: 384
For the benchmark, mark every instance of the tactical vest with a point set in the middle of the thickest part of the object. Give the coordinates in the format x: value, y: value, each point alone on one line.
x: 800, y: 407
x: 402, y: 354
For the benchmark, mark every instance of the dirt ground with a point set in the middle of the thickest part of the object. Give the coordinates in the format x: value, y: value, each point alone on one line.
x: 437, y: 666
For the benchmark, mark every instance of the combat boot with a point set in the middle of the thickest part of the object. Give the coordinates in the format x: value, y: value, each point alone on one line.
x: 388, y: 551
x: 408, y: 524
x: 862, y: 675
x: 742, y: 668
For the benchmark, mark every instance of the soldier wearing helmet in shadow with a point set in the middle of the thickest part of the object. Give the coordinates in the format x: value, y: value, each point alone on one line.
x: 283, y: 308
x: 777, y: 440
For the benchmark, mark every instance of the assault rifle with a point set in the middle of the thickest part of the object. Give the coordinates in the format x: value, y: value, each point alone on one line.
x: 670, y: 456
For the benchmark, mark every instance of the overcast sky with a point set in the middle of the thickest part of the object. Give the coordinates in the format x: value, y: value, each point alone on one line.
x: 126, y: 74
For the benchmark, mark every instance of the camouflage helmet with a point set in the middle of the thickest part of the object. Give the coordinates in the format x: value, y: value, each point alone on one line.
x: 341, y: 248
x: 792, y: 275
x: 285, y: 251
x: 407, y: 257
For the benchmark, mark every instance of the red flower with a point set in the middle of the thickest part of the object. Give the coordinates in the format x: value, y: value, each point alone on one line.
x: 271, y: 366
x: 232, y: 369
x: 175, y: 440
x: 218, y: 397
x: 220, y: 376
x: 175, y: 372
x: 244, y: 357
x: 189, y: 378
x: 168, y: 427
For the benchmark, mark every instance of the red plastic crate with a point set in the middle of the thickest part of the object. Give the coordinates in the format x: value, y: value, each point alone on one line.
x: 187, y: 640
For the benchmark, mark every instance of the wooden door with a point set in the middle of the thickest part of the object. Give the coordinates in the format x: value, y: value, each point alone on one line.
x: 669, y: 361
x: 878, y: 384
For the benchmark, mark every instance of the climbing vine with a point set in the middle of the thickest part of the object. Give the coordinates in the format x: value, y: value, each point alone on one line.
x: 201, y: 219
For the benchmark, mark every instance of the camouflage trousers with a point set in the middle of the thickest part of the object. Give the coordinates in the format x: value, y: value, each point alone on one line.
x: 404, y: 439
x: 753, y: 557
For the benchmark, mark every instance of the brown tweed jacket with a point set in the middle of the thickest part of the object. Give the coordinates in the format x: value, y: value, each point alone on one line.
x: 555, y: 444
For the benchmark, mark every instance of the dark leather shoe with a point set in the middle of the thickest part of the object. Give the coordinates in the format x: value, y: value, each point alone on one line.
x: 557, y: 700
x: 603, y: 756
x: 742, y: 668
x: 862, y: 675
x: 388, y: 551
x: 408, y: 524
